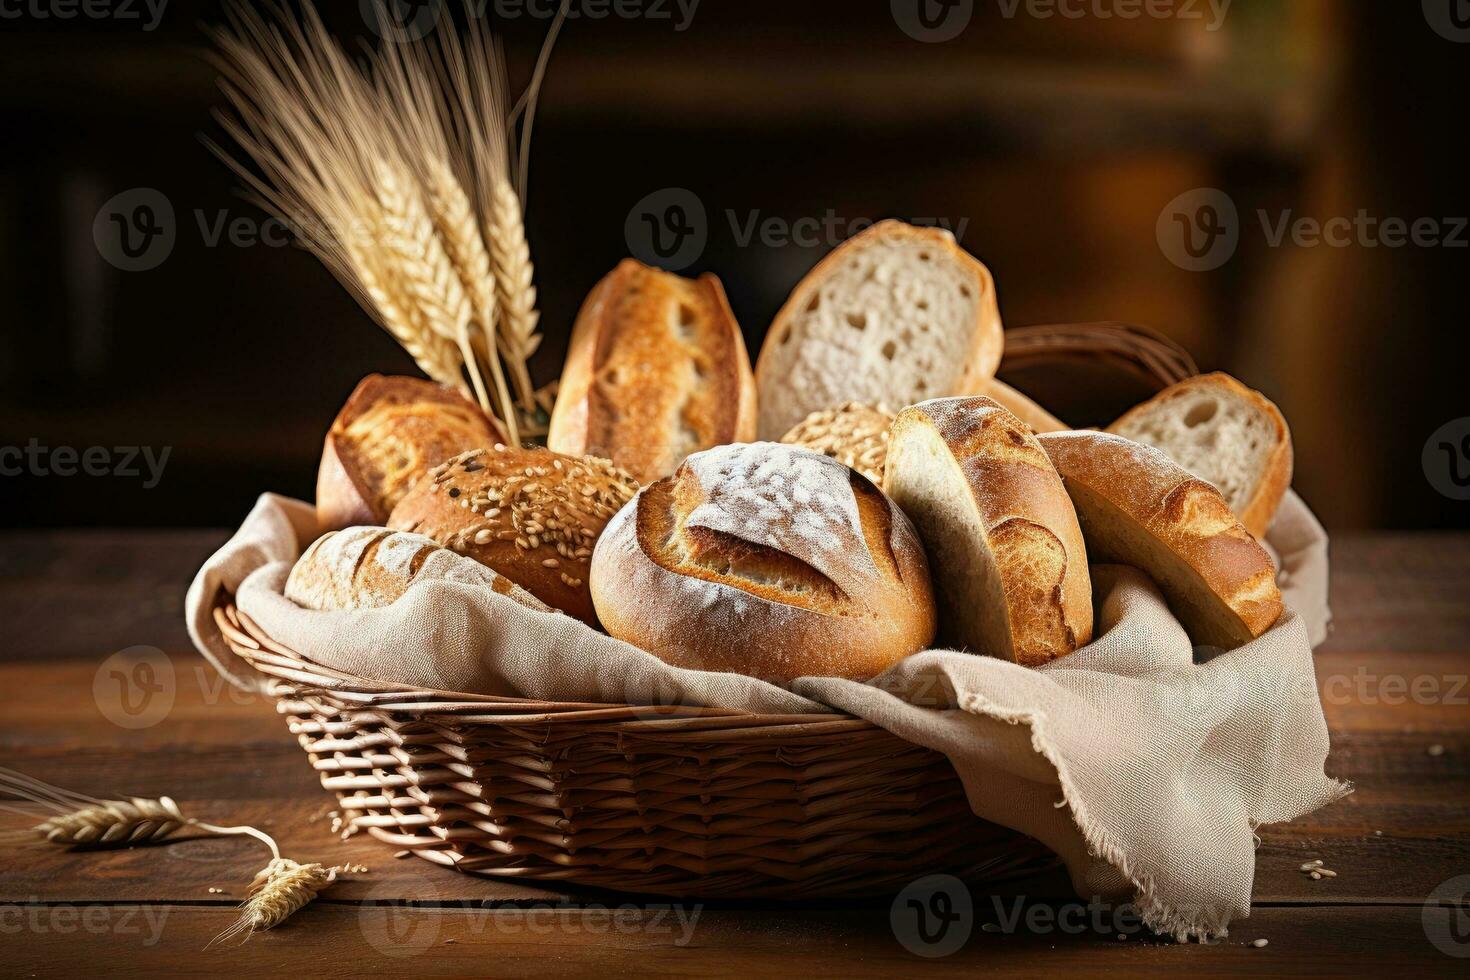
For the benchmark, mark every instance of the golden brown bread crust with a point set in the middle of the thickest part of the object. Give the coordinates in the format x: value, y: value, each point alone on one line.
x: 656, y: 369
x: 1026, y: 520
x: 530, y: 514
x: 390, y: 432
x: 1139, y: 508
x: 854, y: 434
x: 765, y: 560
x: 370, y: 567
x: 1258, y: 513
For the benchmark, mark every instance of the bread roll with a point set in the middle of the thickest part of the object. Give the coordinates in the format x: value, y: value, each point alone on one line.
x: 855, y: 435
x: 1223, y: 432
x: 896, y: 314
x: 530, y: 514
x: 1140, y: 508
x: 656, y: 370
x: 369, y: 567
x: 766, y: 560
x: 390, y: 433
x: 1010, y: 564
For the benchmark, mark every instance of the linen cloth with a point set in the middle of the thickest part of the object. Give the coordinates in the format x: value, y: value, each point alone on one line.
x: 1145, y: 764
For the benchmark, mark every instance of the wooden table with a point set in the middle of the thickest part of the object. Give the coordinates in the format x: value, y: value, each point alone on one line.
x: 1393, y: 679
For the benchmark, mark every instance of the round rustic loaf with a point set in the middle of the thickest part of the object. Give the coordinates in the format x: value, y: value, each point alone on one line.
x: 530, y: 514
x: 854, y: 434
x: 767, y: 560
x: 370, y: 567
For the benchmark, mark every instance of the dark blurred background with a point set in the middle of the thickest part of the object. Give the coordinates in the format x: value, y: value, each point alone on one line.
x: 1053, y: 142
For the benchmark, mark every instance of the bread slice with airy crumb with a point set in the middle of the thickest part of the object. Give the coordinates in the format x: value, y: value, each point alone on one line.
x: 1138, y: 507
x: 895, y: 315
x: 1010, y: 565
x: 1222, y: 432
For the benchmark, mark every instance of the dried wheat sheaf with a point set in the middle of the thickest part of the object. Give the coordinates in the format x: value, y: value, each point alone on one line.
x: 404, y: 175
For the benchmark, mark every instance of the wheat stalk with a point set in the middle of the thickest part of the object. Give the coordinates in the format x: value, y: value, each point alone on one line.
x: 515, y: 289
x: 133, y: 821
x: 279, y: 891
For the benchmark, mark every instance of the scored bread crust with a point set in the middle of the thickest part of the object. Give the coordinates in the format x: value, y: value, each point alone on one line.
x: 1027, y: 523
x: 421, y: 424
x: 1275, y: 478
x: 371, y: 567
x: 656, y: 369
x: 1138, y: 507
x: 987, y: 338
x: 530, y: 514
x: 765, y: 560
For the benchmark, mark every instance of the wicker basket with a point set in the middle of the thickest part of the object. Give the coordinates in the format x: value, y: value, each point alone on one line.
x: 680, y: 801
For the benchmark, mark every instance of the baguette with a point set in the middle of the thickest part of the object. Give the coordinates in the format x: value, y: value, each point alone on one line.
x: 656, y: 370
x: 1011, y: 566
x: 1138, y: 507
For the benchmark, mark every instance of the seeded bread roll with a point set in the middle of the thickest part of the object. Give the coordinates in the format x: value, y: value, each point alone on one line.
x: 530, y: 514
x: 765, y: 560
x: 656, y: 370
x: 369, y: 567
x: 1138, y: 507
x: 1223, y: 432
x: 855, y: 435
x: 1011, y: 565
x: 389, y: 434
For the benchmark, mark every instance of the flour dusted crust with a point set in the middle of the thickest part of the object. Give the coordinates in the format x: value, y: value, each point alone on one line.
x: 1138, y: 507
x: 390, y: 432
x: 767, y: 560
x: 656, y: 369
x: 530, y: 514
x: 370, y: 567
x: 1011, y: 565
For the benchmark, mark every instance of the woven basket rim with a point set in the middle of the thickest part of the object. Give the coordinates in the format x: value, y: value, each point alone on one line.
x: 273, y: 659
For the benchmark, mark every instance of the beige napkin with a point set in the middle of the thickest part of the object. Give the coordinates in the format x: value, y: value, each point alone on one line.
x: 1145, y: 771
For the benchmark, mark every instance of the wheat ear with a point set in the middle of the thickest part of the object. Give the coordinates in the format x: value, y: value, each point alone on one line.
x: 279, y: 891
x: 515, y: 288
x: 454, y: 217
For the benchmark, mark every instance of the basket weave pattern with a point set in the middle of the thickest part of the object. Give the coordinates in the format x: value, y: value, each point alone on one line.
x: 661, y: 800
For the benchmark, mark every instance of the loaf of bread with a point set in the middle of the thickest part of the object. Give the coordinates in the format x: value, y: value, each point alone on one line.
x: 766, y: 560
x: 1222, y: 432
x: 854, y: 434
x: 369, y: 567
x: 1140, y: 508
x: 1010, y: 564
x: 894, y: 315
x: 656, y: 370
x: 389, y: 434
x: 530, y: 514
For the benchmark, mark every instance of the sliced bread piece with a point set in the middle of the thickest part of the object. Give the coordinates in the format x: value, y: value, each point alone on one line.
x: 894, y: 315
x: 1223, y: 432
x: 656, y: 370
x: 1138, y: 507
x: 1008, y: 558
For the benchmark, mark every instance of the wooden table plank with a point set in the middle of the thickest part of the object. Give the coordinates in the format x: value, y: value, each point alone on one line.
x: 334, y: 940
